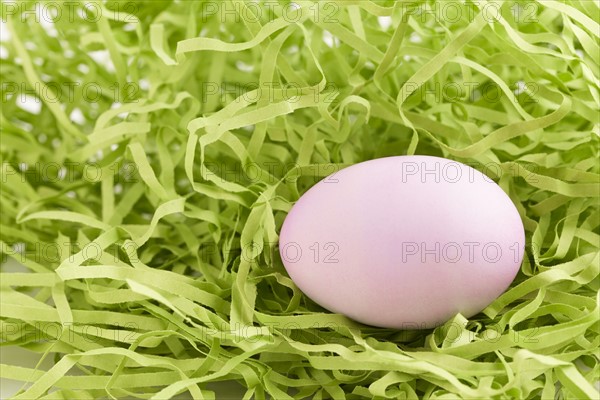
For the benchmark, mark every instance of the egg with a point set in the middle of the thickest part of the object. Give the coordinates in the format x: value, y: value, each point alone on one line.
x: 403, y: 242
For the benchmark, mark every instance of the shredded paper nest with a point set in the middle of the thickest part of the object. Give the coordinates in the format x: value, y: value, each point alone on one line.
x: 151, y: 150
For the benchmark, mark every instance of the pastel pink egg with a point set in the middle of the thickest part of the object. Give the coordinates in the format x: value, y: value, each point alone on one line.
x: 403, y: 242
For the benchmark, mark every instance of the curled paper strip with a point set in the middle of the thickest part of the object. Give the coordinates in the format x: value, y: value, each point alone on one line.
x: 144, y: 189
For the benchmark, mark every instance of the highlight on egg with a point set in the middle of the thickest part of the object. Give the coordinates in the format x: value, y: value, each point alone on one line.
x: 403, y: 242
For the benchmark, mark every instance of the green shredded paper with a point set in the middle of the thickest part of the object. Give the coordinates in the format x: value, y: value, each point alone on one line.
x: 151, y: 151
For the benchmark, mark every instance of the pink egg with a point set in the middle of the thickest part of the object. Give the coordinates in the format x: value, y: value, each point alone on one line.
x: 403, y: 242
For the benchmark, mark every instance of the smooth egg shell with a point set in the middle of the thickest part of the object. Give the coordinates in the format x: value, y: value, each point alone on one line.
x: 403, y: 242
